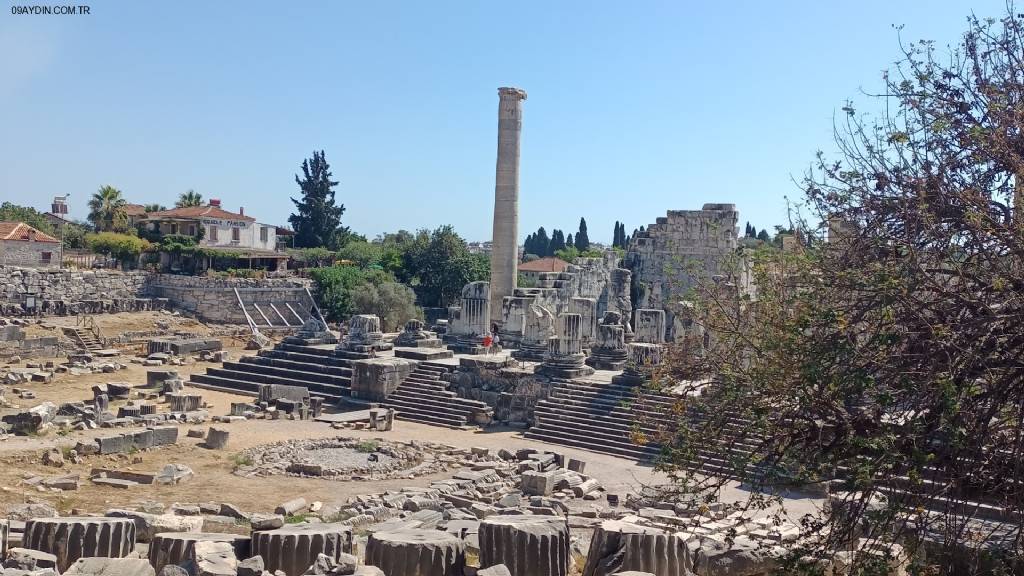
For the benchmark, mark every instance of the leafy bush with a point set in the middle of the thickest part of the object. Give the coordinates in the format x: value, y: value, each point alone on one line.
x: 571, y: 253
x: 362, y: 253
x: 367, y: 446
x: 123, y: 247
x: 335, y: 286
x: 394, y: 303
x: 312, y: 256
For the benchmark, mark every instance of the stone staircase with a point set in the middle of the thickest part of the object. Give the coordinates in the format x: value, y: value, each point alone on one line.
x: 424, y: 397
x: 84, y: 338
x: 611, y: 418
x: 596, y: 417
x: 291, y: 364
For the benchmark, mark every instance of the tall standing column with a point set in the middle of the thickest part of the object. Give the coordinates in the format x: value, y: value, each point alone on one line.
x: 505, y: 243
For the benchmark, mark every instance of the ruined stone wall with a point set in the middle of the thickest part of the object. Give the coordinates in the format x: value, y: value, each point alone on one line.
x: 672, y: 252
x: 58, y: 292
x: 600, y: 279
x: 511, y: 392
x: 214, y: 300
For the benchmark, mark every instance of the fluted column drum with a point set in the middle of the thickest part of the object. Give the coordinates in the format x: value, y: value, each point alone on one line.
x: 74, y: 537
x: 526, y: 545
x: 176, y: 547
x: 416, y: 553
x: 294, y: 548
x: 618, y: 547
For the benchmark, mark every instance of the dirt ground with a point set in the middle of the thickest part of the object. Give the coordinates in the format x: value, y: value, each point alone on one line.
x: 20, y: 457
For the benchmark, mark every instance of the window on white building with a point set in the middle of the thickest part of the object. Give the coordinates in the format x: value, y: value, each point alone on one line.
x: 264, y: 234
x: 213, y: 233
x: 236, y: 234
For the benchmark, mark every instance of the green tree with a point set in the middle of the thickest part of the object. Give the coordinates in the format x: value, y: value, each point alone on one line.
x: 10, y: 212
x: 569, y: 241
x: 885, y: 364
x: 189, y: 198
x: 442, y: 265
x: 154, y: 208
x: 582, y: 242
x: 126, y: 248
x: 74, y: 236
x: 363, y: 254
x: 763, y: 236
x: 557, y: 242
x: 336, y: 286
x: 394, y: 303
x: 317, y: 220
x: 106, y: 210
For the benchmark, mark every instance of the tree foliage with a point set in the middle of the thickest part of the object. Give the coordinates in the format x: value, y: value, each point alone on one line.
x: 619, y: 236
x: 10, y: 212
x: 335, y: 286
x: 439, y: 265
x: 123, y: 247
x: 887, y: 361
x: 106, y: 210
x: 394, y: 303
x: 317, y: 217
x: 582, y: 240
x: 188, y: 198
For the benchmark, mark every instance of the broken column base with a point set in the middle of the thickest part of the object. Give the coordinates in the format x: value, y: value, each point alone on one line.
x: 564, y: 367
x: 604, y: 359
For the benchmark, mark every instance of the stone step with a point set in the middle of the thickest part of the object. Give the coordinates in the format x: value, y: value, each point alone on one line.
x: 418, y: 405
x: 331, y: 395
x: 565, y: 437
x: 452, y: 400
x: 623, y: 422
x: 440, y: 366
x: 225, y: 384
x: 421, y: 379
x: 344, y: 381
x: 424, y: 417
x: 329, y: 352
x: 612, y: 392
x: 308, y: 358
x: 614, y: 448
x: 621, y: 428
x: 600, y: 406
x: 333, y: 369
x: 294, y: 380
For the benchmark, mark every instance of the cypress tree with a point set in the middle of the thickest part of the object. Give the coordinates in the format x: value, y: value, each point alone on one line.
x: 568, y: 240
x: 582, y: 238
x: 541, y: 243
x: 317, y: 217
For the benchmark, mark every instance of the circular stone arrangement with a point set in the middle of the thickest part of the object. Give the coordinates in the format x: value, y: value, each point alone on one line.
x: 342, y: 459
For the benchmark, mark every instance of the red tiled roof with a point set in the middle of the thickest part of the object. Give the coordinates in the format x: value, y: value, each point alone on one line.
x: 199, y: 212
x: 134, y: 209
x: 544, y: 265
x: 20, y: 231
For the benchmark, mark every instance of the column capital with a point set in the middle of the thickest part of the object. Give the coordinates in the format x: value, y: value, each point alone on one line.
x: 507, y: 92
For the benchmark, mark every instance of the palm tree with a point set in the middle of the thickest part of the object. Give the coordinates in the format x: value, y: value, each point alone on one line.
x: 106, y: 209
x: 190, y: 198
x: 154, y: 208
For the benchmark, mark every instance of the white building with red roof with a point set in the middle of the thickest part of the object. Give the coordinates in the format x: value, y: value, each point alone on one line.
x: 23, y: 245
x: 218, y: 228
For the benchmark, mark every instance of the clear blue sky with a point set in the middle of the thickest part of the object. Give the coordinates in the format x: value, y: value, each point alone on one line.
x: 634, y: 108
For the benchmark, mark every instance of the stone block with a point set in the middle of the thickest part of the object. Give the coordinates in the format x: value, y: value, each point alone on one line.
x: 536, y: 483
x: 374, y: 379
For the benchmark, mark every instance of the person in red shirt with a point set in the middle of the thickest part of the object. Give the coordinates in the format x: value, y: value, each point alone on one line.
x: 487, y: 343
